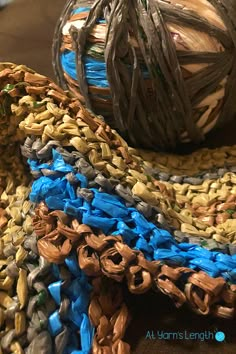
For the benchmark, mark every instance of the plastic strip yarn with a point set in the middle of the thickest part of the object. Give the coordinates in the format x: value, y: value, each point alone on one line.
x: 24, y: 275
x: 88, y: 221
x: 27, y: 310
x: 109, y: 313
x: 65, y: 189
x: 199, y: 206
x: 110, y: 255
x: 51, y: 304
x: 28, y: 319
x: 162, y: 82
x: 100, y: 154
x: 39, y: 152
x: 137, y: 169
x: 71, y: 293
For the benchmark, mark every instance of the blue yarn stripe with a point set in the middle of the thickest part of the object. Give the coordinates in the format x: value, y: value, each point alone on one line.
x: 110, y: 213
x: 95, y: 70
x: 80, y: 10
x: 78, y: 292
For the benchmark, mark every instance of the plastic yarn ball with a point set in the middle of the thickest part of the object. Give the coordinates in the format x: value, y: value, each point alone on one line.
x: 162, y: 72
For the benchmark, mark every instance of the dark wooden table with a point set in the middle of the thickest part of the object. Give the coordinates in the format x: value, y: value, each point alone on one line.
x: 154, y: 314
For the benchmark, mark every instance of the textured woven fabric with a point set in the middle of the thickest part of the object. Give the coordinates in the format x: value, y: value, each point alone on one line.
x: 87, y: 221
x: 184, y: 201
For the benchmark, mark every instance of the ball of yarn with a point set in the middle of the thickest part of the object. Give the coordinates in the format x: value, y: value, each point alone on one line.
x: 162, y: 72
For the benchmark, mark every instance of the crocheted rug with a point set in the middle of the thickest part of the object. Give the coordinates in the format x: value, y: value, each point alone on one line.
x: 99, y: 218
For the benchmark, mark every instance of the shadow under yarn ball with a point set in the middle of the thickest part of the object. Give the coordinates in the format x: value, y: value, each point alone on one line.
x: 161, y: 72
